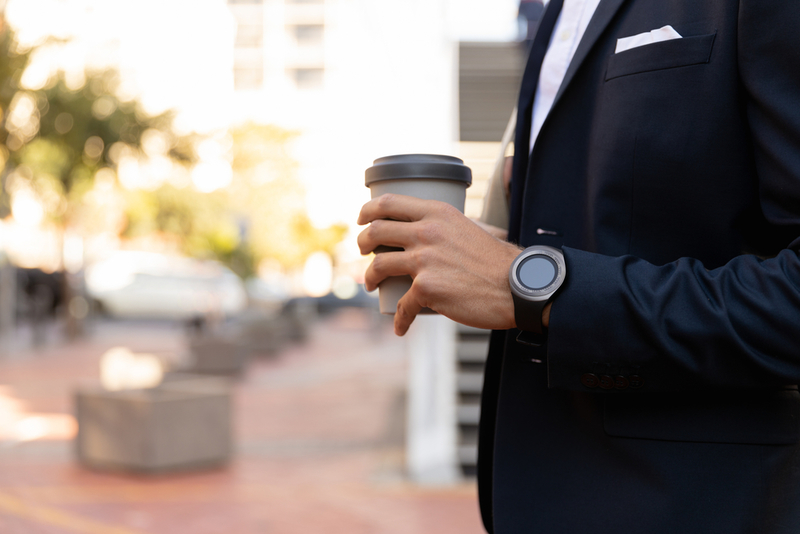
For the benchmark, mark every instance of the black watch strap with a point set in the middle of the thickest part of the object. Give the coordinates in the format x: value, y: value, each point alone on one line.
x: 528, y: 315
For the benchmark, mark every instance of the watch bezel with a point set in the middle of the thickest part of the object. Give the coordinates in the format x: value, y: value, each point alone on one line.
x: 542, y: 294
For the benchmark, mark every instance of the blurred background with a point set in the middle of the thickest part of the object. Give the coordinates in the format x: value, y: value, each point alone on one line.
x: 185, y: 341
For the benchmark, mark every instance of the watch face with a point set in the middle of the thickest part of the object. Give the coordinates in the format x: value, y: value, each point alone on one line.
x: 537, y: 272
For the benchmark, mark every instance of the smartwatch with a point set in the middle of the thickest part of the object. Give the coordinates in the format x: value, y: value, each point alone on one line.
x: 535, y: 277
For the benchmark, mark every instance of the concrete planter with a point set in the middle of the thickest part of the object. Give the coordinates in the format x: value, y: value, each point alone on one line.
x: 181, y: 424
x: 212, y: 355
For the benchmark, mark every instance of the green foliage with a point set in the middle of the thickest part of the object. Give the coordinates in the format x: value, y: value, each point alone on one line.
x: 201, y: 224
x: 260, y: 152
x: 46, y: 157
x: 80, y: 129
x: 267, y: 193
x: 12, y: 66
x: 260, y: 215
x: 58, y: 137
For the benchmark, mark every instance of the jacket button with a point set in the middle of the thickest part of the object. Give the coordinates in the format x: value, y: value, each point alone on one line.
x: 620, y: 382
x: 606, y: 382
x: 635, y: 381
x: 590, y: 381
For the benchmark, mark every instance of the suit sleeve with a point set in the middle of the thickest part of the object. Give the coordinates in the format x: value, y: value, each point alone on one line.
x: 680, y: 326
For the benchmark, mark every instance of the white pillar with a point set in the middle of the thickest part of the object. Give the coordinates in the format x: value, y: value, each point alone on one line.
x: 8, y: 298
x: 431, y: 451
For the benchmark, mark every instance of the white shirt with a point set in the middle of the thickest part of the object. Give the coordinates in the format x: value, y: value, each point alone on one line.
x: 570, y: 27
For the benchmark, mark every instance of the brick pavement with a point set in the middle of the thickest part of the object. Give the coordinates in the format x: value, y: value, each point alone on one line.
x: 319, y: 446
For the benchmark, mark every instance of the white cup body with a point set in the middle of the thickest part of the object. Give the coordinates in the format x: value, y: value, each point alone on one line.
x: 450, y: 191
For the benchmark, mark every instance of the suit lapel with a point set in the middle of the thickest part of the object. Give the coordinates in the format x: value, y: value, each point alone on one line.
x: 602, y: 17
x: 600, y: 20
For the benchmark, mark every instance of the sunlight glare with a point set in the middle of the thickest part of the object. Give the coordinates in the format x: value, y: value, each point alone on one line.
x: 208, y: 176
x: 26, y: 208
x: 318, y: 274
x: 121, y: 369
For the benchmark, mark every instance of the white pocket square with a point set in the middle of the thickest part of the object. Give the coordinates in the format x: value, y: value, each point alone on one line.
x: 655, y: 36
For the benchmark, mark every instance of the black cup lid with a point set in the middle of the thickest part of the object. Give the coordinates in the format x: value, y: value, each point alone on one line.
x: 430, y: 166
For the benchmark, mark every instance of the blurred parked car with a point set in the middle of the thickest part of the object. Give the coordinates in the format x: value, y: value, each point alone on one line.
x: 335, y: 300
x: 152, y: 285
x: 267, y: 295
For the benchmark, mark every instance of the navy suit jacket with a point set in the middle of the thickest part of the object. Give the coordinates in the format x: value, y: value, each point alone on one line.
x: 670, y: 176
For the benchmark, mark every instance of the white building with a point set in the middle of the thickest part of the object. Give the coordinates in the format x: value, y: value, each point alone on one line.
x: 359, y: 79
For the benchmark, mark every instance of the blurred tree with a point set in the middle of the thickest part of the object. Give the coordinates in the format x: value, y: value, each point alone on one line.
x: 266, y: 189
x: 56, y: 139
x: 261, y: 215
x: 201, y: 225
x: 12, y: 64
x: 75, y: 133
x: 59, y: 136
x: 11, y: 68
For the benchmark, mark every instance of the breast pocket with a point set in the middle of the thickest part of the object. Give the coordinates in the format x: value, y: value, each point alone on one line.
x: 663, y: 55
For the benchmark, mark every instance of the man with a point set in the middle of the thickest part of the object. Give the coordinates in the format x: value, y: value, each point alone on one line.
x: 667, y: 169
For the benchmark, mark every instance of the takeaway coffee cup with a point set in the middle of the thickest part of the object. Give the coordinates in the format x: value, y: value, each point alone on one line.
x: 426, y: 176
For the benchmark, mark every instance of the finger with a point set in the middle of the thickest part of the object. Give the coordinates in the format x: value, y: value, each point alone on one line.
x: 397, y: 207
x: 387, y: 264
x: 408, y: 307
x: 387, y: 233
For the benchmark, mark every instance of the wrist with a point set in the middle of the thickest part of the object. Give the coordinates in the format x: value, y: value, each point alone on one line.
x: 534, y: 278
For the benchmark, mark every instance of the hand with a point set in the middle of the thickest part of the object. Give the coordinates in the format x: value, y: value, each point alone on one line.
x: 459, y: 269
x: 496, y: 231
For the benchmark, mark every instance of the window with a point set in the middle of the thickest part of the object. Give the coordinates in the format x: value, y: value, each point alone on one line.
x: 249, y: 36
x: 248, y: 79
x: 309, y: 34
x: 308, y: 78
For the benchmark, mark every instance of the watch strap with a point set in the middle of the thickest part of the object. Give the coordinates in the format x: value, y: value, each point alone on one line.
x: 528, y: 314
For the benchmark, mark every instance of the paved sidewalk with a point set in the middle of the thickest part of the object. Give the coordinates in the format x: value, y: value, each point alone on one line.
x: 319, y: 446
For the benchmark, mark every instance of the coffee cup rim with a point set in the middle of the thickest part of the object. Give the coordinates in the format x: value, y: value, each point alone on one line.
x: 418, y: 166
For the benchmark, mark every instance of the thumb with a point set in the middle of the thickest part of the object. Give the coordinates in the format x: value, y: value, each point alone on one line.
x: 408, y: 307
